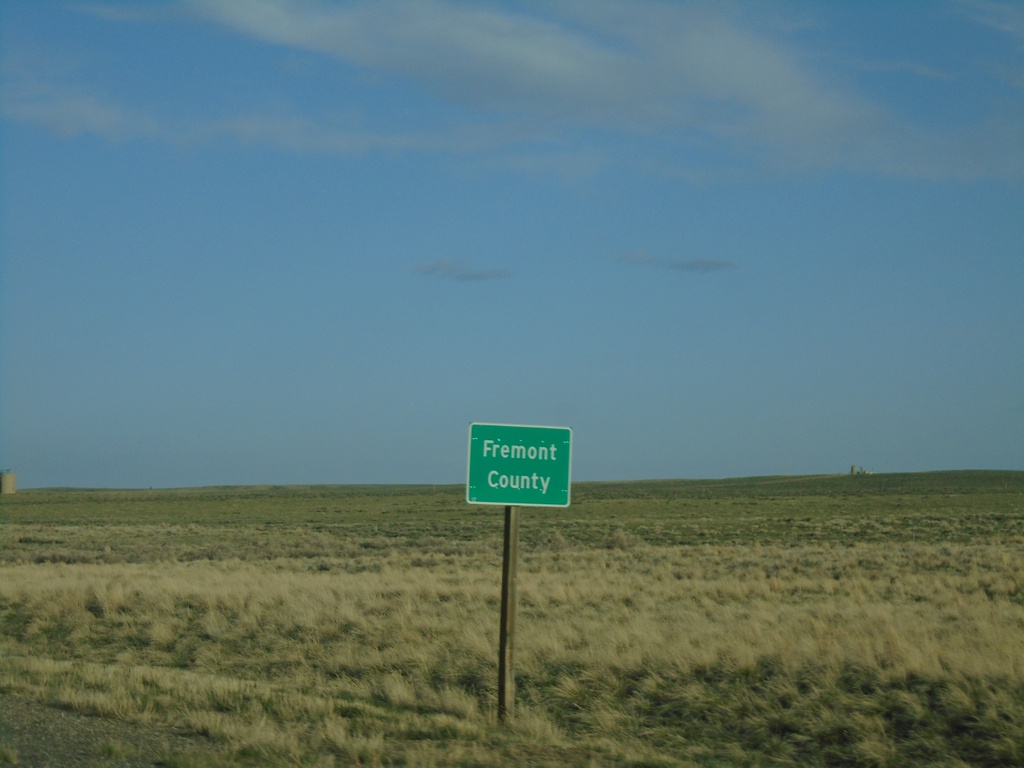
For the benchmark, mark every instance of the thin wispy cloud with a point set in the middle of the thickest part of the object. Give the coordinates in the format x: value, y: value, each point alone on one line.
x: 474, y: 55
x: 520, y: 80
x: 133, y: 14
x: 304, y: 135
x: 643, y: 68
x: 619, y: 66
x: 75, y: 112
x: 1002, y: 16
x: 701, y: 266
x: 460, y: 271
x: 1008, y: 19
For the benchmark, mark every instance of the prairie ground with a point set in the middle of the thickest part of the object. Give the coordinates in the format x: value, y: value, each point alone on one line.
x: 861, y: 621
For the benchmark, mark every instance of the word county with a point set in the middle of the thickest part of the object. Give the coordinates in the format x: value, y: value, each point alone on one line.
x: 530, y: 452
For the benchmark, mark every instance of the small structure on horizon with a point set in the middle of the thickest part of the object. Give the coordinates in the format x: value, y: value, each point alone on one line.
x: 8, y: 482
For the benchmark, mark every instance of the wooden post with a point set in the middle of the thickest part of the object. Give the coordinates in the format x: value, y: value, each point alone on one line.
x: 510, y: 556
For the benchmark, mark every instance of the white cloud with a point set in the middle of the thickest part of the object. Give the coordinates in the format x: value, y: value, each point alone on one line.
x: 304, y: 135
x: 555, y: 85
x: 70, y: 112
x: 636, y: 67
x: 1008, y: 19
x: 1005, y: 17
x: 139, y: 13
x: 471, y: 54
x: 74, y: 111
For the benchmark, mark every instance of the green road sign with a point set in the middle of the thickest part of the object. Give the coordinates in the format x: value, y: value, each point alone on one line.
x: 519, y: 465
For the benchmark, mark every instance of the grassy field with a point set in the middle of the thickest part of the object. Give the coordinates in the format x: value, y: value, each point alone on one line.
x: 861, y: 621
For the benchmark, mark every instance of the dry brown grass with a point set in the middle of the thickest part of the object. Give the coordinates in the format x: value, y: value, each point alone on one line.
x: 370, y: 646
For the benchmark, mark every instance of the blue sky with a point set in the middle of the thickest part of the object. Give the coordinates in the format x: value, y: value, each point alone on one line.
x: 310, y: 241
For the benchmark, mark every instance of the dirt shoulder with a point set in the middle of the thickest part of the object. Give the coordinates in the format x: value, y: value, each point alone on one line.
x: 37, y: 735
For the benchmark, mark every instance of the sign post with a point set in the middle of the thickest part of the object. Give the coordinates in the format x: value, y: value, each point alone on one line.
x: 507, y: 633
x: 516, y: 465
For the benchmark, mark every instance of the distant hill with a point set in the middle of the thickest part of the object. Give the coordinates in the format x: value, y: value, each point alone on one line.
x: 943, y: 482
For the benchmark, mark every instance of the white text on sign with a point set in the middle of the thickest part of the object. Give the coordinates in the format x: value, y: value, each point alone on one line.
x: 536, y: 452
x: 530, y: 452
x: 498, y: 480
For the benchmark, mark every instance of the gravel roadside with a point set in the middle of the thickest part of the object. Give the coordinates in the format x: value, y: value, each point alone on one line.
x: 40, y: 736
